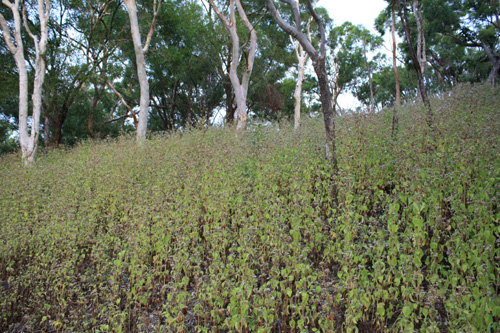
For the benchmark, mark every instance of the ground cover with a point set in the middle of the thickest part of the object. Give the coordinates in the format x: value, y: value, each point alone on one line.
x: 207, y: 231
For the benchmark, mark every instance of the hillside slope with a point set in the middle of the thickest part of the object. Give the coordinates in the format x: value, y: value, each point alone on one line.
x: 207, y: 231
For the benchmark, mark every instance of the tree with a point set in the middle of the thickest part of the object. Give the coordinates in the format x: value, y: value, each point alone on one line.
x: 240, y: 88
x: 349, y: 44
x: 302, y: 59
x: 101, y: 27
x: 394, y: 61
x: 318, y: 58
x: 64, y: 79
x: 473, y: 25
x: 29, y: 142
x: 379, y: 23
x: 185, y: 69
x: 140, y: 51
x: 403, y: 13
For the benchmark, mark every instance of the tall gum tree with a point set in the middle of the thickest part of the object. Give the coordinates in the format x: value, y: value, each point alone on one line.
x: 416, y: 59
x: 140, y: 52
x: 395, y: 69
x: 28, y: 141
x: 302, y: 57
x: 318, y: 58
x: 240, y: 87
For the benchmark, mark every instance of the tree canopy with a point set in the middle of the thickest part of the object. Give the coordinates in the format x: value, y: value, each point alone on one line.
x: 91, y: 88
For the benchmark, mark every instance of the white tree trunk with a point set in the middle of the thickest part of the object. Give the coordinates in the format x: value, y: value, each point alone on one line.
x: 302, y: 58
x: 141, y: 69
x: 28, y: 141
x: 240, y: 88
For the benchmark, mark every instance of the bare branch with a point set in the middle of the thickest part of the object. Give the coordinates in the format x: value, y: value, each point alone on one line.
x: 127, y: 115
x: 156, y: 10
x: 123, y: 102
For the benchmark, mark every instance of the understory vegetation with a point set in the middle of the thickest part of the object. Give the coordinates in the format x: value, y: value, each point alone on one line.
x: 206, y: 231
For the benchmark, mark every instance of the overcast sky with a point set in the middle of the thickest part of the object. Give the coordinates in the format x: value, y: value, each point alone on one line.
x: 356, y: 11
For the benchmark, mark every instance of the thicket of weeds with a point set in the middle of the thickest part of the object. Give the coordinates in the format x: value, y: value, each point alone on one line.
x: 207, y: 231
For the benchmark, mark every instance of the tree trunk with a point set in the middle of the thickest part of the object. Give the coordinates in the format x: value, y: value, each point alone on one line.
x: 141, y: 69
x: 240, y: 88
x: 396, y: 71
x: 370, y: 81
x: 29, y: 142
x: 298, y: 89
x: 57, y: 138
x: 495, y: 72
x: 46, y: 132
x: 421, y: 45
x: 319, y: 64
x: 394, y: 59
x: 302, y: 59
x: 93, y: 107
x: 230, y: 110
x: 329, y: 113
x: 416, y: 62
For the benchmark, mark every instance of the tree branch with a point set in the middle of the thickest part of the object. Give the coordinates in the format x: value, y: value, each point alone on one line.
x: 123, y: 101
x: 321, y: 28
x: 293, y: 31
x: 220, y: 15
x: 156, y: 10
x: 6, y: 35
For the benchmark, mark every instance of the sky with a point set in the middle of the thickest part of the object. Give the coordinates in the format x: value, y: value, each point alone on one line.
x: 356, y: 11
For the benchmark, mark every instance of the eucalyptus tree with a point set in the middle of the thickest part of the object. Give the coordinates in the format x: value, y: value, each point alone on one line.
x: 302, y: 57
x: 140, y: 51
x: 394, y: 61
x: 274, y: 59
x: 240, y: 87
x: 185, y: 68
x: 350, y: 45
x: 100, y: 27
x: 66, y: 75
x: 15, y: 43
x: 416, y: 59
x: 471, y: 25
x: 318, y: 58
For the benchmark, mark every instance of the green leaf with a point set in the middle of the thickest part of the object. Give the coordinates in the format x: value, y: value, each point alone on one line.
x: 381, y: 309
x: 407, y: 310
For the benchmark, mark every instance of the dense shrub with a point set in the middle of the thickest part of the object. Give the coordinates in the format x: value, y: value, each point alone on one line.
x: 206, y: 231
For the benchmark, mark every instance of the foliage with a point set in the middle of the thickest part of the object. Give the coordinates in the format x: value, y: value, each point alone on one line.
x: 197, y: 231
x: 7, y: 143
